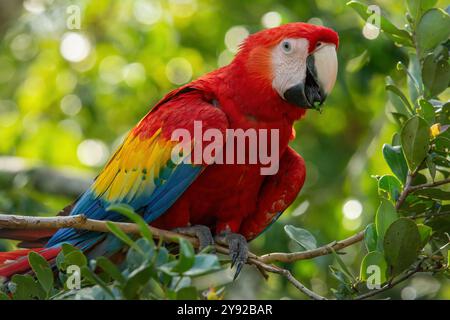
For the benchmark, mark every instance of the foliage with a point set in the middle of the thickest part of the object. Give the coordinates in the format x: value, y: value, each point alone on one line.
x: 148, y: 271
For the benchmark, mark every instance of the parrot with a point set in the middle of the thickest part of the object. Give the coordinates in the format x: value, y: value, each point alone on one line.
x: 275, y: 77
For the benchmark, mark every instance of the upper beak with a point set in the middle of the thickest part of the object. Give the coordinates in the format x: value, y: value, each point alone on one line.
x: 321, y: 72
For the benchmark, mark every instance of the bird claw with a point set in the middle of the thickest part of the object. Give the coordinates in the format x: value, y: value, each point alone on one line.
x: 202, y: 233
x: 238, y: 247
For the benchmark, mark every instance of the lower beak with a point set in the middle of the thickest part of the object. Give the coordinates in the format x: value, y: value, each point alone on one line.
x: 308, y: 95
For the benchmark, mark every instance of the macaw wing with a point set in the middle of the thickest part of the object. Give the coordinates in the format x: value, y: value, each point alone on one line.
x: 141, y: 173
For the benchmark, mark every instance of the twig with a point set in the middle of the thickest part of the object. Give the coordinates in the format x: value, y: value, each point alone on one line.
x: 405, y: 192
x: 391, y: 284
x: 288, y: 275
x: 321, y: 251
x: 429, y: 185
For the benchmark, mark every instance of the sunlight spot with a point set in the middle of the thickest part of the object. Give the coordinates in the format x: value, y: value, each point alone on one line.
x: 179, y: 71
x: 316, y: 21
x: 147, y: 11
x: 75, y: 47
x: 271, y: 19
x: 352, y: 209
x: 225, y: 57
x: 34, y: 6
x: 70, y: 104
x: 92, y: 152
x: 370, y: 31
x: 23, y: 47
x: 234, y: 37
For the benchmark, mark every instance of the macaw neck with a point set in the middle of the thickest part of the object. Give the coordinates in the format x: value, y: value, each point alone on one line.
x: 253, y: 98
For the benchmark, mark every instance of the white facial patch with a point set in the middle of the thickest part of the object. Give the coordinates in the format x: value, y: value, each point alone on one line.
x: 289, y: 66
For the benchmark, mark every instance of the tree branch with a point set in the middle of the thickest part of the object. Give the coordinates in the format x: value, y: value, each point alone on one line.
x: 81, y: 222
x: 309, y: 254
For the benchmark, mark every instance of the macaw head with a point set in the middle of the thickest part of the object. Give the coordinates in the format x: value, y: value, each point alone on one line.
x: 297, y: 61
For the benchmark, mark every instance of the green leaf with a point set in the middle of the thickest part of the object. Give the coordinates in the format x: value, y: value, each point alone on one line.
x: 345, y: 270
x: 414, y: 79
x: 4, y: 296
x: 431, y: 167
x: 385, y: 215
x: 203, y: 264
x: 93, y: 278
x: 370, y: 237
x: 141, y: 255
x: 392, y: 88
x: 303, y: 237
x: 357, y: 63
x: 397, y: 99
x: 401, y: 245
x: 389, y: 187
x: 187, y: 256
x: 128, y: 211
x: 432, y: 29
x: 187, y: 293
x: 396, y: 161
x: 373, y: 258
x: 415, y: 141
x: 417, y: 7
x: 136, y: 282
x: 433, y: 193
x: 427, y: 111
x: 435, y: 74
x: 425, y: 234
x: 385, y: 24
x: 442, y: 144
x: 70, y: 255
x: 42, y: 270
x: 111, y: 269
x: 122, y: 235
x: 24, y: 287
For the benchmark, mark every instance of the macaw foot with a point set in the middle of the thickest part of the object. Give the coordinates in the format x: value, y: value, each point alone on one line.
x: 202, y: 233
x: 238, y: 247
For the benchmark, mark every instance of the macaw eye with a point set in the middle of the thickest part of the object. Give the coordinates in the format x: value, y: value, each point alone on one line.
x: 287, y: 46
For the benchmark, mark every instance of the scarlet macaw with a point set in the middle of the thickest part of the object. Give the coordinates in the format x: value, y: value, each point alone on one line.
x: 277, y: 74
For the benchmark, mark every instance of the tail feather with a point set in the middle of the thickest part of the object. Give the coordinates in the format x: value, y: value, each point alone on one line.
x: 15, y: 262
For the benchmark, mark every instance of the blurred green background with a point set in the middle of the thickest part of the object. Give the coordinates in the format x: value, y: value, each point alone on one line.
x: 68, y: 96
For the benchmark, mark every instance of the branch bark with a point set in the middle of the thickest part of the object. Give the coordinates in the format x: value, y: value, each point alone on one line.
x: 262, y: 263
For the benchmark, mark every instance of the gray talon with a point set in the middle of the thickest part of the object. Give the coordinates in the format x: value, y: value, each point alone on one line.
x: 238, y: 247
x: 202, y: 233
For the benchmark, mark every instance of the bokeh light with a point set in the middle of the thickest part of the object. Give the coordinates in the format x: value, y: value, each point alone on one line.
x: 75, y: 47
x: 352, y: 209
x: 70, y: 104
x: 34, y: 6
x: 234, y: 37
x: 147, y: 11
x: 271, y: 19
x: 179, y: 71
x: 92, y: 152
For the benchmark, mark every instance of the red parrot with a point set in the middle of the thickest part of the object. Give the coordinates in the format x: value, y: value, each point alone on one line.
x: 275, y: 77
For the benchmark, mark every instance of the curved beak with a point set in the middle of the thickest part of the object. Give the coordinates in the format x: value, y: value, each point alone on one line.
x: 320, y: 77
